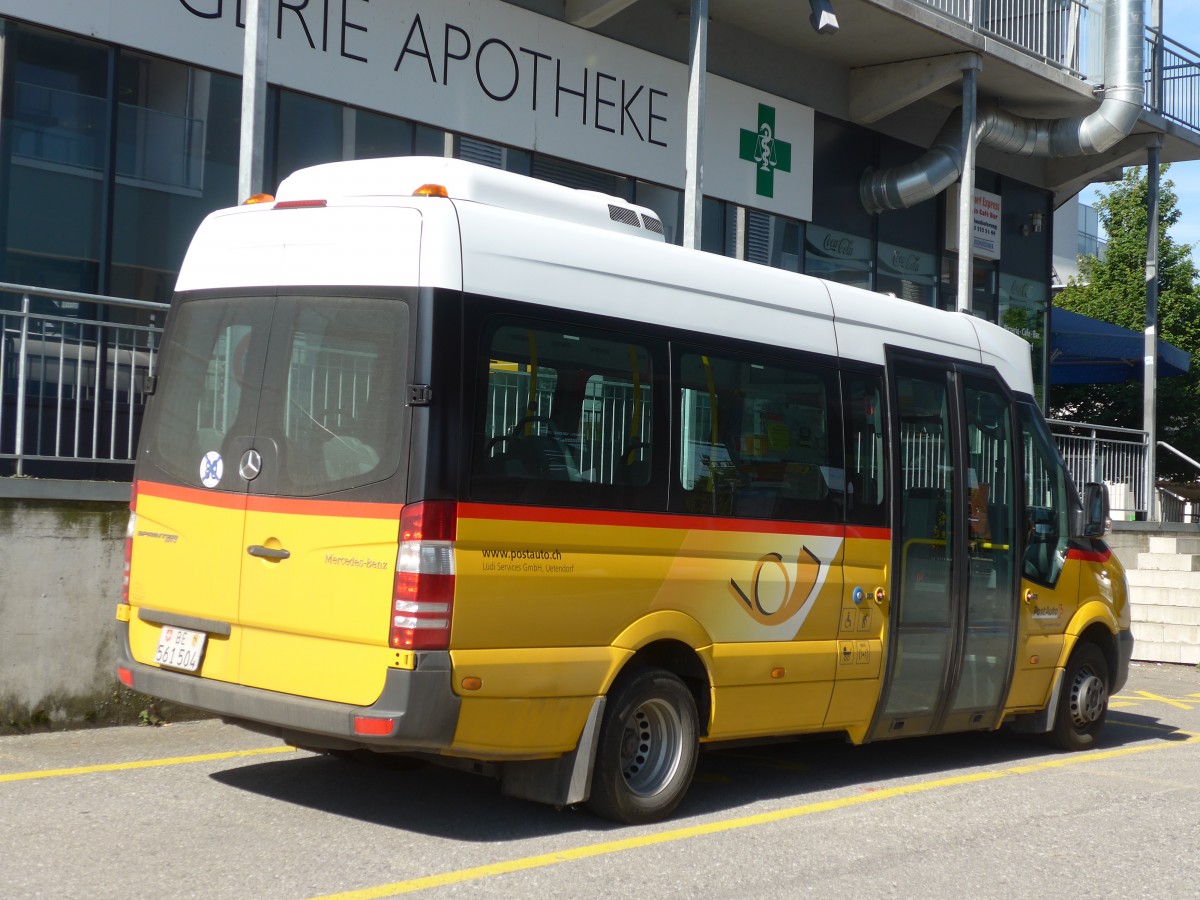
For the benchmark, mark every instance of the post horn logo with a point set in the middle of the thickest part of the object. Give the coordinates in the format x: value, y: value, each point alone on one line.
x: 795, y: 593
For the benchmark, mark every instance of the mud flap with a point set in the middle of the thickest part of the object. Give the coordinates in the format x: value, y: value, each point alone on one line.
x: 560, y: 781
x: 1042, y: 721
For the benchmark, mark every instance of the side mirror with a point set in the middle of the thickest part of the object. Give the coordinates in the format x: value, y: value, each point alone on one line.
x: 1096, y: 519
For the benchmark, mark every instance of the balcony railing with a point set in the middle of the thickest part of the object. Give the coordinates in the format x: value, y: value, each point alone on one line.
x: 1069, y: 34
x: 1063, y: 33
x: 1176, y: 95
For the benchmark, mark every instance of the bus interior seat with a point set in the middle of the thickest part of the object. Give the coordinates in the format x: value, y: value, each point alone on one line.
x: 345, y: 453
x: 518, y: 455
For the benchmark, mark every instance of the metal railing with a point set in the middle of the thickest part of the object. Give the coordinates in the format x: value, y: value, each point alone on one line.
x: 1116, y: 456
x: 72, y: 378
x: 1063, y: 33
x: 1176, y: 95
x: 1069, y: 34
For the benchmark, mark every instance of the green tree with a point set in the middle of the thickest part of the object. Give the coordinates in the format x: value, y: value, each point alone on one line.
x: 1113, y: 289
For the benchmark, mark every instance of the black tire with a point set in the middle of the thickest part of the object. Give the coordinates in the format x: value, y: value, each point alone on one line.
x: 1083, y: 702
x: 646, y: 754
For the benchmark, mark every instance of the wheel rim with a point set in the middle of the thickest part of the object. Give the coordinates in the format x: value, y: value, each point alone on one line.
x: 651, y: 747
x: 1088, y: 698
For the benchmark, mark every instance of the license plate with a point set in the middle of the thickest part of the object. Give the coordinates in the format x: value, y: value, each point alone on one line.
x: 179, y: 648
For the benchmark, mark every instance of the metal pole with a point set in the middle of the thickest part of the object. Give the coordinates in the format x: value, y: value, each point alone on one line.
x: 966, y: 193
x: 1150, y: 381
x: 693, y: 172
x: 254, y: 99
x: 22, y: 359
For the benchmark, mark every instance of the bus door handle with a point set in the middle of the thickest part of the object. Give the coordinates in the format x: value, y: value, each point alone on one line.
x: 268, y: 552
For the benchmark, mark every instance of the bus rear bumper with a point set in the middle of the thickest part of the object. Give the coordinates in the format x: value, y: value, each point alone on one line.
x: 419, y: 703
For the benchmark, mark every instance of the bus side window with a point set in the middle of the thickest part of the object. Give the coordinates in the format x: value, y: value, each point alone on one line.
x: 567, y: 417
x: 759, y: 439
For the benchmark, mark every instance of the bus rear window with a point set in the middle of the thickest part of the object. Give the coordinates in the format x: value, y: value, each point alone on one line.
x: 316, y: 384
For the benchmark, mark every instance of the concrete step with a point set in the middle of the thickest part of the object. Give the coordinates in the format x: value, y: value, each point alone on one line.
x: 1169, y: 562
x: 1142, y: 610
x: 1188, y: 545
x: 1166, y: 602
x: 1146, y: 650
x: 1167, y: 578
x: 1168, y: 634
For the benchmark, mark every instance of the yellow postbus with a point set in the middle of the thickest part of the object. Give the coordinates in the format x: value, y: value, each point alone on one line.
x: 448, y: 462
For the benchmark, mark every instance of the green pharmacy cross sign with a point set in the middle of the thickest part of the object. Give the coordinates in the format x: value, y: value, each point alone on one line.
x: 766, y: 151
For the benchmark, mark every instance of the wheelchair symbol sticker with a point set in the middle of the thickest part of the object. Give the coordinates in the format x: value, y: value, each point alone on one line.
x: 211, y: 469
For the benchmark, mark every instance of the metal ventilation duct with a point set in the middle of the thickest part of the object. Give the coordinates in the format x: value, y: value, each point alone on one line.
x: 941, y: 166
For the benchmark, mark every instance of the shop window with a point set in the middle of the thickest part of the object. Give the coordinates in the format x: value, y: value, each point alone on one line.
x: 907, y: 273
x: 772, y: 240
x: 838, y: 256
x: 983, y: 286
x: 177, y: 161
x: 57, y: 121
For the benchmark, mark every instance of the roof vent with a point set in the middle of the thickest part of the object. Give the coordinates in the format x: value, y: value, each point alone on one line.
x: 621, y: 214
x: 652, y: 224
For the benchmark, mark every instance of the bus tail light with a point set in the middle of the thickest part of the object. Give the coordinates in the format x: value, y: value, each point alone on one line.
x: 130, y: 530
x: 423, y: 599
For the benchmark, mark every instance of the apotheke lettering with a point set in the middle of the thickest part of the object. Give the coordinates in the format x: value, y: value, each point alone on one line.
x: 451, y: 56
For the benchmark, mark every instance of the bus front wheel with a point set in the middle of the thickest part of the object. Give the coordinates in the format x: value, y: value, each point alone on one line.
x: 1083, y: 702
x: 647, y: 750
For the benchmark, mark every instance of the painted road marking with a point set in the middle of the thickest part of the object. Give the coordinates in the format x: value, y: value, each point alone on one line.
x: 589, y: 851
x: 1124, y: 701
x: 142, y: 764
x: 1176, y: 703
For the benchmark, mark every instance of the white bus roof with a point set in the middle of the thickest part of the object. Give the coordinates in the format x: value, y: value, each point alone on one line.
x: 507, y: 235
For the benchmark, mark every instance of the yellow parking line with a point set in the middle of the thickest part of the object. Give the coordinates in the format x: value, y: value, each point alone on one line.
x: 679, y: 834
x: 142, y: 764
x: 1177, y: 703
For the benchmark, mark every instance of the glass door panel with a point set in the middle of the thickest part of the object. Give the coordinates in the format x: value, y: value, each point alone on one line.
x: 921, y: 615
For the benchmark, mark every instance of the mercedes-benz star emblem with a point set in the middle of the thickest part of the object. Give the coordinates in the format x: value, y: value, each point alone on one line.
x: 250, y: 465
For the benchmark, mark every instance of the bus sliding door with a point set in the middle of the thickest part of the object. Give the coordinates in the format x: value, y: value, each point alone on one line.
x: 952, y: 615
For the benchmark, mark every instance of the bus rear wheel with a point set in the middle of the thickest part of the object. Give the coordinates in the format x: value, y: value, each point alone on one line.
x: 647, y: 750
x: 1083, y: 703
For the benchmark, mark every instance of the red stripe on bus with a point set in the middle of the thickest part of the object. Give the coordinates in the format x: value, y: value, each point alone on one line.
x: 868, y: 533
x: 504, y: 513
x: 345, y: 509
x: 1089, y: 555
x: 217, y: 499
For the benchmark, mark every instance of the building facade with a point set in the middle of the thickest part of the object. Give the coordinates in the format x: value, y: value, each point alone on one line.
x: 120, y: 126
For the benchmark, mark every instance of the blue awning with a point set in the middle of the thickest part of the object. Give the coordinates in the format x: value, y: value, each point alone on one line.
x: 1087, y: 351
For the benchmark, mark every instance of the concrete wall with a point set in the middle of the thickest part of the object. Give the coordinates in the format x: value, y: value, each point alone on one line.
x: 60, y: 577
